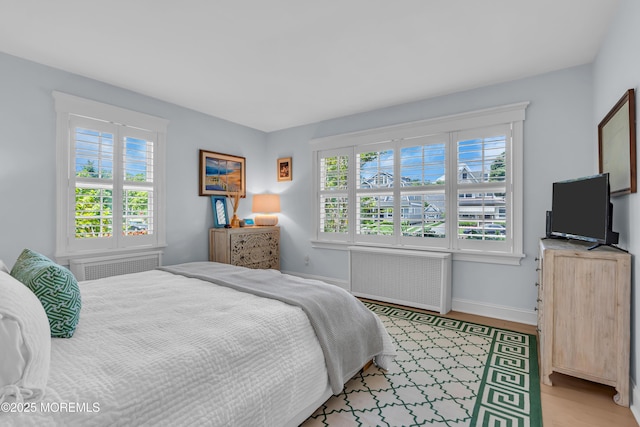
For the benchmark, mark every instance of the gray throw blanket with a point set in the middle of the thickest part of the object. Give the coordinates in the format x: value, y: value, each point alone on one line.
x: 348, y: 332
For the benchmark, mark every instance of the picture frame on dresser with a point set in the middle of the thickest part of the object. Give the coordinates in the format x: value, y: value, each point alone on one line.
x: 221, y: 174
x: 220, y: 215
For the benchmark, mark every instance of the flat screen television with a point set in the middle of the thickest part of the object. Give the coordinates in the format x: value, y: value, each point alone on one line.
x: 581, y: 209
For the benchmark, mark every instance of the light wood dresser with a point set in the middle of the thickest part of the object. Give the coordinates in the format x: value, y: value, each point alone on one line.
x: 583, y: 313
x: 253, y: 247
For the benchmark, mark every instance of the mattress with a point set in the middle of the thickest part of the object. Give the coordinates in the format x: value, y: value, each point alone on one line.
x: 156, y: 348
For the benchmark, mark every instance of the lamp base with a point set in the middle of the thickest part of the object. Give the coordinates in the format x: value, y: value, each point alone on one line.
x: 266, y: 219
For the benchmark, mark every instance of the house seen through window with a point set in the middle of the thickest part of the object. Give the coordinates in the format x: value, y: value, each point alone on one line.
x: 450, y: 190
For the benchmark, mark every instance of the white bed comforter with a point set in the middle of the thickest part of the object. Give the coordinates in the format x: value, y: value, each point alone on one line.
x: 348, y: 332
x: 155, y: 348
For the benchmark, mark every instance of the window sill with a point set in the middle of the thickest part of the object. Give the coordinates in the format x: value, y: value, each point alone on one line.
x: 470, y: 256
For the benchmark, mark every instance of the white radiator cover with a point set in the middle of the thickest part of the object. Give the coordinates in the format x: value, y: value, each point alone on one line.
x: 408, y: 277
x: 99, y: 267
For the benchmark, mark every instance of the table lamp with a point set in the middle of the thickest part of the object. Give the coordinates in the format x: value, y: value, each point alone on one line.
x: 266, y: 205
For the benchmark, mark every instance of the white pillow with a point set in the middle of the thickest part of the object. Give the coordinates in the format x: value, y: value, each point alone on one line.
x: 3, y: 267
x: 26, y: 343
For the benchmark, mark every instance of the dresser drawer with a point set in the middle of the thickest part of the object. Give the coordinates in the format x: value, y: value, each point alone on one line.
x: 255, y: 250
x: 253, y: 247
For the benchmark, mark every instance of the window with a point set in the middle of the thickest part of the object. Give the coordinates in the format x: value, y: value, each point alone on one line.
x: 110, y: 179
x: 451, y: 184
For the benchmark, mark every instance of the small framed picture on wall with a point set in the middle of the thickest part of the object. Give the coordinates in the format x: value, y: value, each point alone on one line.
x: 284, y: 169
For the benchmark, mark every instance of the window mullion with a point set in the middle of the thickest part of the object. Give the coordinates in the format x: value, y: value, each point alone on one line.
x: 397, y: 202
x: 118, y: 185
x: 451, y: 190
x: 351, y: 195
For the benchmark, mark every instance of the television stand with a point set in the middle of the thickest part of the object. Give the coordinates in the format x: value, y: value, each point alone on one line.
x: 597, y: 245
x: 583, y: 314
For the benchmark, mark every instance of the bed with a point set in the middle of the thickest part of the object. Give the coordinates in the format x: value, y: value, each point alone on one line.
x: 200, y: 344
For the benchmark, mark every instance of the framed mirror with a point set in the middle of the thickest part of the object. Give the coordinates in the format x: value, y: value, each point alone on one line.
x: 219, y: 205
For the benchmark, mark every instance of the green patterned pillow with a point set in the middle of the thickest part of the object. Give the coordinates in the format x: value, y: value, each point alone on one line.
x: 56, y: 288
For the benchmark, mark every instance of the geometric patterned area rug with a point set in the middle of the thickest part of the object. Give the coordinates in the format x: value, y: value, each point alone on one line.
x: 447, y: 373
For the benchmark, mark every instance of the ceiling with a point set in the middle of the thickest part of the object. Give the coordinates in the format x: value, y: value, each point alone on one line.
x: 276, y: 64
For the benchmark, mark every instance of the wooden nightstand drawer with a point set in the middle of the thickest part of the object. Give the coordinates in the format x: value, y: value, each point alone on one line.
x: 253, y: 247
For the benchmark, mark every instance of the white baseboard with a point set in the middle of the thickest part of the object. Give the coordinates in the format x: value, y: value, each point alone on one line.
x: 635, y: 401
x: 528, y: 317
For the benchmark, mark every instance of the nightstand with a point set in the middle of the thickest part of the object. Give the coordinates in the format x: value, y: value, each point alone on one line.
x: 253, y: 247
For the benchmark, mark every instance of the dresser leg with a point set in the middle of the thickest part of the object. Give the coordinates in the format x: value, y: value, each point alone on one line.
x: 621, y: 398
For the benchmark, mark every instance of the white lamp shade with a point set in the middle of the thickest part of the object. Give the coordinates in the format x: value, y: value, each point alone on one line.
x: 266, y: 204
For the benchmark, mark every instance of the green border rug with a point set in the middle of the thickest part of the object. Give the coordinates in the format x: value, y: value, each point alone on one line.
x: 447, y: 373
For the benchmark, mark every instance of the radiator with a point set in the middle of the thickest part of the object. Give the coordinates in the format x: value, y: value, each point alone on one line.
x: 408, y: 277
x: 97, y: 268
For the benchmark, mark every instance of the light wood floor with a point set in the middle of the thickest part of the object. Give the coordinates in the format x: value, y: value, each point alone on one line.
x: 570, y: 402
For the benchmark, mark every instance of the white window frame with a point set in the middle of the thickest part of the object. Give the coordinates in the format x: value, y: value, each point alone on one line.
x: 71, y: 109
x: 504, y: 246
x: 359, y: 192
x: 503, y: 252
x: 423, y: 140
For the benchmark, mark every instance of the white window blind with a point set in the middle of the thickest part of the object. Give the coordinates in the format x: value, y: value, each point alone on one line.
x: 420, y: 185
x: 138, y: 201
x: 111, y: 170
x: 484, y: 195
x: 93, y: 176
x: 334, y: 194
x: 374, y: 192
x: 423, y: 168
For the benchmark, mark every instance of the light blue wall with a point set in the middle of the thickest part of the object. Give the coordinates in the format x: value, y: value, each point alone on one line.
x: 559, y: 144
x: 617, y: 69
x: 27, y: 159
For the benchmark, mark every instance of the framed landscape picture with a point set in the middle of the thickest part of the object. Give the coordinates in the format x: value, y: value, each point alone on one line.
x: 221, y: 174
